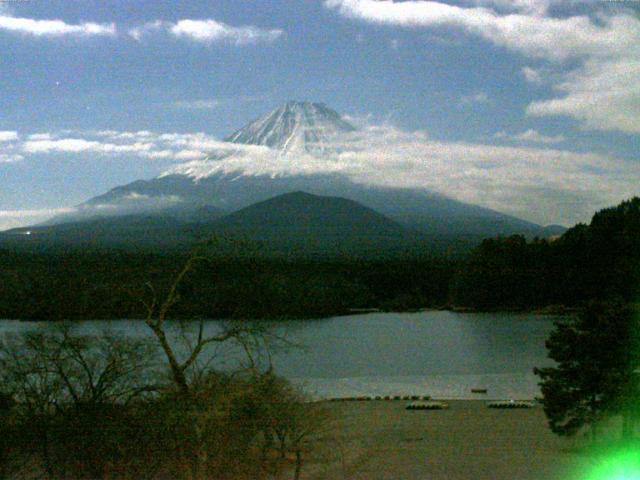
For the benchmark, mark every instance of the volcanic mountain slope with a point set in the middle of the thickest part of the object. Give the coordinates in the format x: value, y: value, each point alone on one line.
x: 172, y: 229
x: 290, y: 131
x: 306, y: 223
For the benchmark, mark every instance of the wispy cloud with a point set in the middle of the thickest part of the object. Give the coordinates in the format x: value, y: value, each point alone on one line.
x: 542, y: 37
x: 532, y: 75
x: 534, y: 7
x: 80, y: 145
x: 203, y: 104
x: 531, y: 136
x: 8, y: 136
x: 40, y: 136
x: 9, y: 145
x: 208, y: 31
x: 54, y: 28
x: 143, y: 144
x: 10, y: 157
x: 506, y: 178
x: 480, y: 97
x: 602, y: 92
x: 140, y: 31
x: 17, y: 218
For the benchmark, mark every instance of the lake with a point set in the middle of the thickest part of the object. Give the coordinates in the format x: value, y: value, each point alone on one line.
x: 437, y: 353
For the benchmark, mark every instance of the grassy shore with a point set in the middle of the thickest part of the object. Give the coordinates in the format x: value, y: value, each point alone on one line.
x: 376, y: 440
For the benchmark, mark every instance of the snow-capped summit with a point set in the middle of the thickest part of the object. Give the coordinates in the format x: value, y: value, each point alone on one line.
x: 291, y: 150
x: 294, y: 127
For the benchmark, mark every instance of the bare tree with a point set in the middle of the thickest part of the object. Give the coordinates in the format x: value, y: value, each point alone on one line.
x: 71, y: 391
x: 253, y: 339
x: 249, y: 336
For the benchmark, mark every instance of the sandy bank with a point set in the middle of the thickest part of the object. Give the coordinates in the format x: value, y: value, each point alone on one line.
x: 381, y: 440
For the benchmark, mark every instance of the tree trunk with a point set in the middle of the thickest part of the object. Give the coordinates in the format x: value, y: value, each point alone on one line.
x: 46, y: 454
x: 627, y: 426
x: 201, y: 457
x: 296, y: 473
x: 177, y: 372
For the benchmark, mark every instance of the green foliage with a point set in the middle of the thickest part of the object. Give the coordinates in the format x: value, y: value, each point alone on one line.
x: 596, y: 354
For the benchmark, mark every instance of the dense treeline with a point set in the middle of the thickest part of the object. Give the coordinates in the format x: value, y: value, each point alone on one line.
x: 596, y: 261
x: 111, y: 284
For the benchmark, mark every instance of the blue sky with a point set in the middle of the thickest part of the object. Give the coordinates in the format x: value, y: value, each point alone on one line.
x: 551, y: 87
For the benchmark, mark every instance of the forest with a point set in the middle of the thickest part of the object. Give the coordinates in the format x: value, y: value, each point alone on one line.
x: 600, y: 260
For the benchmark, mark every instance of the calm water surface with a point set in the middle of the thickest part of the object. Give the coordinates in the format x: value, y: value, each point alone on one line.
x: 442, y: 354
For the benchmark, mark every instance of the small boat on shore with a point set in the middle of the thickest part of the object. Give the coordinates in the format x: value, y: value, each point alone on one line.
x: 506, y: 404
x: 427, y: 406
x: 478, y: 390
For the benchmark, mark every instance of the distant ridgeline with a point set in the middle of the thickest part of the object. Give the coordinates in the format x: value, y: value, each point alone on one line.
x: 235, y: 280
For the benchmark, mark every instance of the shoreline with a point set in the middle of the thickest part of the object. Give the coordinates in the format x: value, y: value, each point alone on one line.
x: 549, y: 310
x: 381, y: 440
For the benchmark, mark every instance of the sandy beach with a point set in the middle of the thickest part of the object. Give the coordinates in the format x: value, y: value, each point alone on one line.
x: 380, y: 440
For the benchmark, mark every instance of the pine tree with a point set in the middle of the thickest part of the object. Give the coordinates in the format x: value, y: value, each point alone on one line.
x: 597, y: 355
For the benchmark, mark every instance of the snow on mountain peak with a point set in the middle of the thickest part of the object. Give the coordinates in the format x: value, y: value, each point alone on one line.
x: 294, y: 127
x: 311, y: 132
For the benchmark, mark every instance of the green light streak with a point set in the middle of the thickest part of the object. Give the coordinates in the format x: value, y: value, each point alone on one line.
x: 621, y: 465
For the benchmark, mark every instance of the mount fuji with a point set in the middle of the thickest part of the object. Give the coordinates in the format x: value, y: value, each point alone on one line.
x: 201, y: 191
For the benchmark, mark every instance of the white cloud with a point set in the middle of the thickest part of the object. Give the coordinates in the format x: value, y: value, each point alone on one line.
x: 533, y: 7
x: 604, y: 95
x: 140, y: 135
x: 79, y: 145
x: 143, y: 144
x: 10, y: 157
x: 8, y: 145
x: 159, y: 200
x: 40, y: 136
x: 506, y: 178
x: 480, y: 97
x: 54, y: 28
x: 204, y: 104
x: 206, y: 31
x: 137, y: 33
x: 18, y: 218
x: 603, y: 92
x: 532, y: 136
x: 190, y: 154
x: 8, y: 136
x: 542, y: 37
x: 536, y: 137
x: 210, y: 31
x: 532, y: 75
x: 198, y: 30
x: 33, y: 213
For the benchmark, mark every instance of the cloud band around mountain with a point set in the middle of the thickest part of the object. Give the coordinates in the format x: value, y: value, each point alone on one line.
x: 506, y: 178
